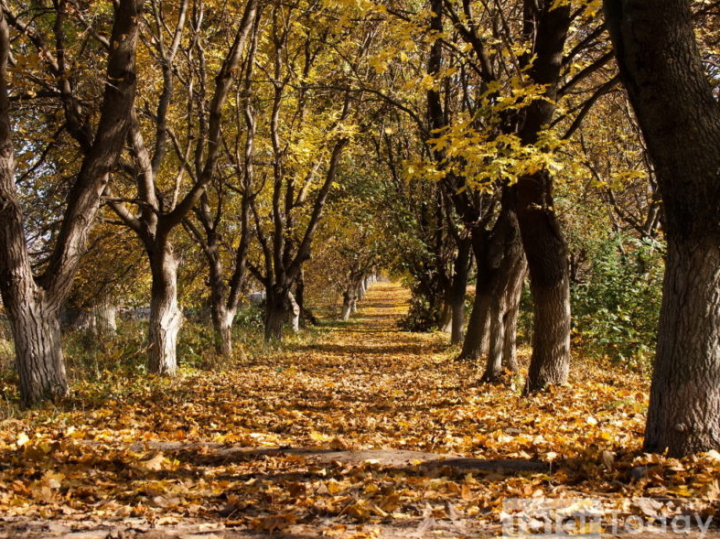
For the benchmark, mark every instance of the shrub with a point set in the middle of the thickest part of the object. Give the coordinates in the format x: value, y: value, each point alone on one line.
x: 616, y: 308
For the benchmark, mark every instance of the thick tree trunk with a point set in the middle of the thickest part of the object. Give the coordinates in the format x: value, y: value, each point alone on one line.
x: 362, y: 289
x: 275, y: 314
x: 305, y: 315
x: 494, y: 367
x: 34, y: 307
x: 476, y: 338
x: 502, y: 355
x: 677, y: 109
x: 684, y: 413
x: 546, y: 253
x: 511, y: 317
x: 38, y: 349
x: 165, y: 314
x: 542, y: 237
x: 222, y: 316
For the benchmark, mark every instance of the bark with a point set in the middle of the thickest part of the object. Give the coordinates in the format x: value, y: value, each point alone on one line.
x: 546, y: 253
x: 33, y: 306
x: 294, y: 313
x: 674, y: 102
x: 446, y: 318
x: 222, y: 321
x: 494, y: 369
x: 457, y: 326
x: 684, y: 413
x: 165, y: 314
x: 222, y: 311
x: 362, y: 289
x: 276, y: 314
x: 38, y: 349
x: 458, y: 289
x: 105, y: 315
x: 476, y: 339
x: 511, y: 317
x: 542, y: 237
x: 502, y: 354
x: 306, y: 317
x: 505, y: 267
x: 347, y: 305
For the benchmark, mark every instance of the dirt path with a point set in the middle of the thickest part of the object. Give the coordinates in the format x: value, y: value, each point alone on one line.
x: 362, y: 431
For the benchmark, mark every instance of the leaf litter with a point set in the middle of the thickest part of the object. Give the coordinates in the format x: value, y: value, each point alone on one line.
x: 332, y: 439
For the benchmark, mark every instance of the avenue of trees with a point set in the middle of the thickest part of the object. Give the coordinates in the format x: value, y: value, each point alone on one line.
x: 506, y: 159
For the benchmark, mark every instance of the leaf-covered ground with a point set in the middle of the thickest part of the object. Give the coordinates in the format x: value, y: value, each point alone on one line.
x: 331, y: 439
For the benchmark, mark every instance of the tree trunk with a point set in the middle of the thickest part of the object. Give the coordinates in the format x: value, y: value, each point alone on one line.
x: 222, y: 320
x: 165, y: 315
x: 511, y: 317
x: 542, y: 237
x: 505, y: 266
x: 305, y: 315
x: 347, y: 305
x: 38, y: 350
x: 476, y: 338
x: 458, y: 289
x: 221, y: 315
x: 676, y: 107
x: 546, y: 253
x: 446, y: 318
x: 105, y: 318
x: 458, y: 320
x: 494, y: 368
x: 362, y: 289
x: 275, y: 315
x: 684, y: 413
x: 294, y: 313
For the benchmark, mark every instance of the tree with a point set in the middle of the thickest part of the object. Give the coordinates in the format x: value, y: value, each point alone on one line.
x: 33, y: 302
x: 660, y: 65
x: 544, y: 243
x: 511, y: 136
x: 309, y: 118
x: 218, y: 217
x: 160, y: 211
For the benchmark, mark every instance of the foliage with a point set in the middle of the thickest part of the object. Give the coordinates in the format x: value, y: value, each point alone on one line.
x: 617, y: 308
x: 423, y: 314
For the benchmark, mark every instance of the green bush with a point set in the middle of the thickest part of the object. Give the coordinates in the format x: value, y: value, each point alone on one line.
x: 616, y: 307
